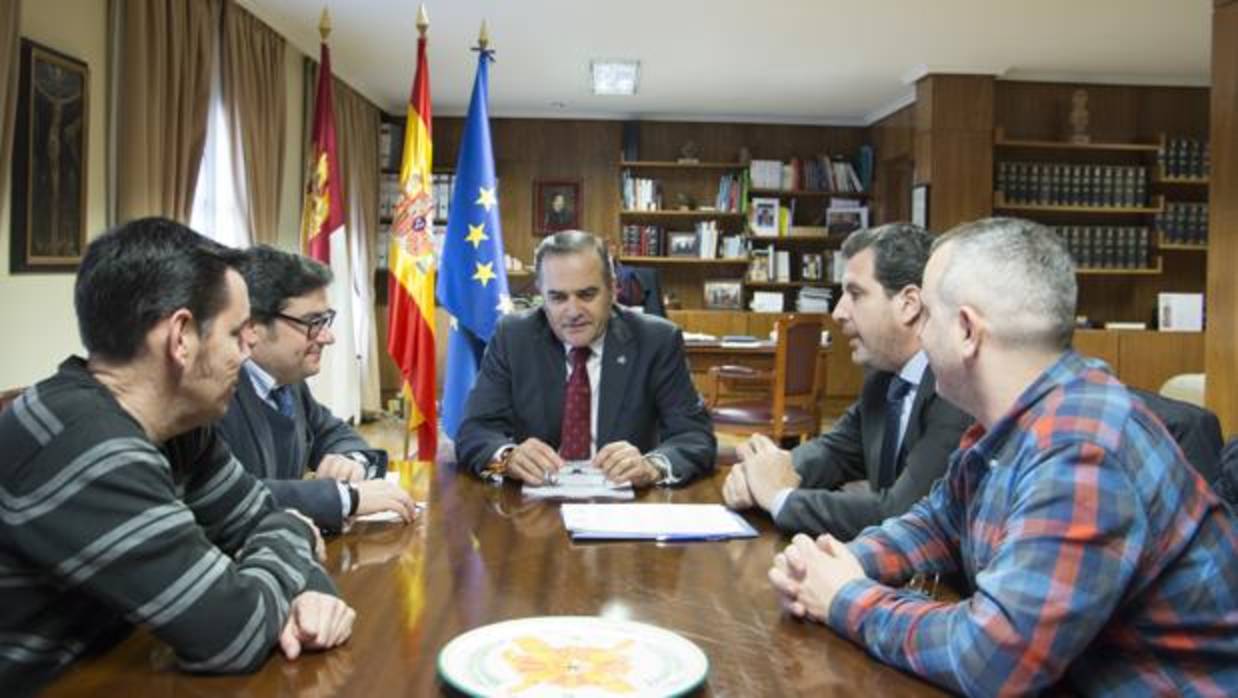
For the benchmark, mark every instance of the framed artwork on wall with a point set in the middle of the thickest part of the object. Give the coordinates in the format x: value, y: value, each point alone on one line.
x: 556, y: 206
x: 48, y: 189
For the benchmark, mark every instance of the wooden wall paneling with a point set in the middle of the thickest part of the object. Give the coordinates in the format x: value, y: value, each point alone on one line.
x: 954, y: 147
x: 1098, y: 344
x: 894, y: 143
x: 1148, y: 359
x: 1221, y: 342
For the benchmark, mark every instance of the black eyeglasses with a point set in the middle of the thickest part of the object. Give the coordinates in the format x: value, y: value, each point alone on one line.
x: 313, y: 324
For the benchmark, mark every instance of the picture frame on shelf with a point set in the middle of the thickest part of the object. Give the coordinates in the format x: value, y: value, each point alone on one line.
x: 764, y: 218
x: 683, y: 244
x: 557, y: 206
x: 758, y: 266
x: 724, y: 294
x: 49, y: 165
x: 844, y: 221
x: 919, y: 205
x: 812, y: 266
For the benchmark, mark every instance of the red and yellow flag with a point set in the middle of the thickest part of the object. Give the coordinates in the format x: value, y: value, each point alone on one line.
x: 323, y: 213
x: 410, y: 337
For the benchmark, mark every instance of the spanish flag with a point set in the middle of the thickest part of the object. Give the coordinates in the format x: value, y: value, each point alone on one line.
x: 410, y: 337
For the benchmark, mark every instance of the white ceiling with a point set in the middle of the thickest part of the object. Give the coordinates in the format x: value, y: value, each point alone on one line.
x: 815, y: 62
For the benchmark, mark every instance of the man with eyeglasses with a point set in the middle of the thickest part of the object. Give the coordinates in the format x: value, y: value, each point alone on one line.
x: 275, y: 426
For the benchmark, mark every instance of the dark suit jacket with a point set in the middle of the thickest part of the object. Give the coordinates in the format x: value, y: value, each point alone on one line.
x: 1226, y: 482
x: 1197, y: 430
x: 646, y: 396
x: 852, y: 451
x: 247, y: 429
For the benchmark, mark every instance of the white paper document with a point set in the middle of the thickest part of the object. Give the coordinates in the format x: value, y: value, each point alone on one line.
x: 661, y: 522
x: 579, y: 480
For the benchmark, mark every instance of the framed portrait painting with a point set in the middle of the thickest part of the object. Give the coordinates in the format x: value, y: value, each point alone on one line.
x: 49, y: 161
x: 556, y: 206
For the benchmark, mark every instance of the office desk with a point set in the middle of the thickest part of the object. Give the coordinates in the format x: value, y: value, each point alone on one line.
x: 704, y: 355
x: 481, y: 555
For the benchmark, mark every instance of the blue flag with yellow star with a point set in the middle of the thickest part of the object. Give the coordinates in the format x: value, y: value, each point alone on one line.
x: 472, y: 281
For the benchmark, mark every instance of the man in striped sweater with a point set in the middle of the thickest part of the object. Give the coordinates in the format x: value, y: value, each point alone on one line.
x: 120, y: 506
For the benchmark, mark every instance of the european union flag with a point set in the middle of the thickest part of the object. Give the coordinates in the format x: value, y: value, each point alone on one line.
x: 472, y: 281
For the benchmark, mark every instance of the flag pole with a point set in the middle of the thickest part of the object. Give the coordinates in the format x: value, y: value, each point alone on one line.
x: 423, y: 25
x: 324, y: 24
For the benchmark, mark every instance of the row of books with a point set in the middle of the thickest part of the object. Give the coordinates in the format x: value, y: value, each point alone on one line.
x: 1108, y: 247
x: 732, y: 193
x: 1184, y: 223
x: 1056, y: 184
x: 640, y: 193
x: 389, y: 194
x: 1187, y: 158
x: 641, y: 240
x: 820, y: 173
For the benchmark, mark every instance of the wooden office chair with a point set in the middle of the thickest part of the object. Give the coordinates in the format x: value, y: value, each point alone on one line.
x: 789, y: 407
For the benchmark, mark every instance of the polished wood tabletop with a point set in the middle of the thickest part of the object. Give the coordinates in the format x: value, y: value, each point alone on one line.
x: 481, y: 554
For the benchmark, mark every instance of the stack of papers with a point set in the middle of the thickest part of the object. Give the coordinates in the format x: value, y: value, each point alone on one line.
x: 579, y: 480
x: 660, y: 522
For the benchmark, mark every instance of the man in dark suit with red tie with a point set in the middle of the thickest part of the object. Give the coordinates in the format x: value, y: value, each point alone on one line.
x: 893, y: 442
x: 581, y: 379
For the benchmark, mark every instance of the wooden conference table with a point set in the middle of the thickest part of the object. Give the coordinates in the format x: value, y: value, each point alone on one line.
x: 479, y: 555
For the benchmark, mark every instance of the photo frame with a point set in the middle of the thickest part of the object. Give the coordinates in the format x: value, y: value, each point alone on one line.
x: 683, y: 244
x: 48, y: 175
x: 557, y: 205
x: 724, y: 294
x: 812, y: 266
x: 919, y: 205
x: 764, y: 217
x: 844, y: 221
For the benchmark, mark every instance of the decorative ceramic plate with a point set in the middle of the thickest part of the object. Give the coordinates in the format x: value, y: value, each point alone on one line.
x: 577, y: 656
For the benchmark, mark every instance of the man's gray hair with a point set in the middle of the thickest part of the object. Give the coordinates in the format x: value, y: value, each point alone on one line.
x: 1018, y: 274
x: 900, y: 251
x: 567, y: 242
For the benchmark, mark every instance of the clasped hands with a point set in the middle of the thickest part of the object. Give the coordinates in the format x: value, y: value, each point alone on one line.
x: 533, y: 461
x: 763, y: 470
x: 808, y: 575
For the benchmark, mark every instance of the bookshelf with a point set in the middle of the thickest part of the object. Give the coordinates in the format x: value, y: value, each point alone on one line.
x: 1114, y: 202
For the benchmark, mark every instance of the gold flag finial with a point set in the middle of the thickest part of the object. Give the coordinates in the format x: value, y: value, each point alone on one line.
x: 483, y: 38
x: 423, y: 20
x: 324, y: 25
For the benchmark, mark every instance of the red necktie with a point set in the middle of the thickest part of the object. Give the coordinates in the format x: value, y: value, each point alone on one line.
x: 574, y: 439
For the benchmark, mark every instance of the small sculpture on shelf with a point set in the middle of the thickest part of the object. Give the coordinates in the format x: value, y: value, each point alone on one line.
x: 685, y: 202
x: 688, y: 154
x: 1079, y: 117
x: 745, y: 155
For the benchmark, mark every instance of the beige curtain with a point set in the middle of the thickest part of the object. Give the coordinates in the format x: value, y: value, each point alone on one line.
x: 356, y: 124
x: 161, y: 87
x: 10, y: 16
x: 252, y: 77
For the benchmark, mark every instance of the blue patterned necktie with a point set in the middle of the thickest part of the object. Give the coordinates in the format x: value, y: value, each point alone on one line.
x: 888, y: 471
x: 283, y: 400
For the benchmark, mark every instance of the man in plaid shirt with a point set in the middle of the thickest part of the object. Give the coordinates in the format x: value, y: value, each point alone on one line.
x: 1098, y: 557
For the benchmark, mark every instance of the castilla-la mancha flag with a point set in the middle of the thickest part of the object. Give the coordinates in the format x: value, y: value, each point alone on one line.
x: 324, y: 237
x: 410, y: 337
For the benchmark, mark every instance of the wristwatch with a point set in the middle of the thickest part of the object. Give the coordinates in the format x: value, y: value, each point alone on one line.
x: 354, y: 499
x: 497, y: 467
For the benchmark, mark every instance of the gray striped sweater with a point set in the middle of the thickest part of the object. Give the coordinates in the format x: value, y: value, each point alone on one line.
x: 101, y: 530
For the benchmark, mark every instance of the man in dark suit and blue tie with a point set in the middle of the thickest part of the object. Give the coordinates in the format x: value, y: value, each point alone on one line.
x: 583, y: 379
x: 275, y: 427
x: 893, y: 442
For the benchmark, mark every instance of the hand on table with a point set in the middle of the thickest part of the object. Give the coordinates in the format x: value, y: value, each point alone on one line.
x: 316, y: 621
x: 342, y: 468
x: 808, y: 575
x: 622, y: 462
